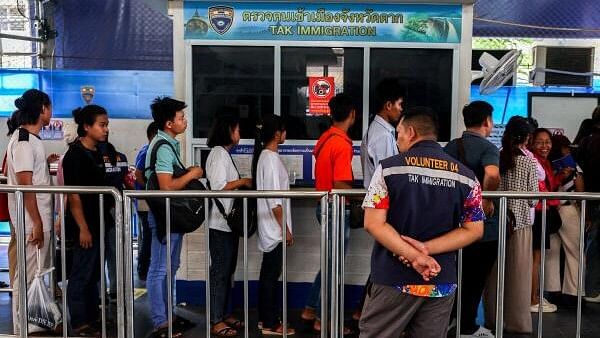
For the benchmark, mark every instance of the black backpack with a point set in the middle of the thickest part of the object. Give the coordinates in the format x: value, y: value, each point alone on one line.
x: 187, y: 213
x: 235, y: 218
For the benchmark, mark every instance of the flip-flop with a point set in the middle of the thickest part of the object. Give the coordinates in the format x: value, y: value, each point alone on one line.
x: 234, y: 323
x: 225, y: 332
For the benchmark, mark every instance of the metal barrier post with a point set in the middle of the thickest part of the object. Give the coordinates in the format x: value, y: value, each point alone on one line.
x: 128, y: 266
x: 102, y: 264
x: 207, y: 263
x: 542, y: 270
x: 21, y: 261
x: 501, y: 268
x: 245, y: 267
x: 63, y: 264
x: 581, y: 267
x: 335, y: 226
x: 342, y: 267
x: 119, y: 228
x: 324, y: 260
x: 459, y: 290
x: 169, y: 272
x: 284, y: 258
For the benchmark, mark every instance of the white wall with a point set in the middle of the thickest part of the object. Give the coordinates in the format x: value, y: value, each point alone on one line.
x: 127, y: 135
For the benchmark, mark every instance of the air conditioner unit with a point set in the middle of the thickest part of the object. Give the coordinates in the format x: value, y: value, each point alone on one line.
x: 498, y: 54
x: 562, y: 59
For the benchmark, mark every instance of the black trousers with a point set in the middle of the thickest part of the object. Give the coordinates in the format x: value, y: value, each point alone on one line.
x: 82, y: 295
x: 478, y: 260
x: 270, y: 270
x: 145, y: 245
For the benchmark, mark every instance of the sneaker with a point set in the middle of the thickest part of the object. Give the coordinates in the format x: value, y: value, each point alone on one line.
x: 481, y: 332
x: 592, y: 299
x: 546, y: 306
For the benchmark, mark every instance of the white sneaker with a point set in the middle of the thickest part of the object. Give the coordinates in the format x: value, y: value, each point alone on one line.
x: 592, y: 299
x: 481, y: 332
x: 546, y: 307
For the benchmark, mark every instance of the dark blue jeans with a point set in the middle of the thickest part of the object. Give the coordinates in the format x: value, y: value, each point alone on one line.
x: 223, y: 261
x: 270, y: 270
x: 314, y: 296
x: 82, y: 293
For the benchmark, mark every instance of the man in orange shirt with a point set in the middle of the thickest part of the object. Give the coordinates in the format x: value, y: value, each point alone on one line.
x: 333, y: 170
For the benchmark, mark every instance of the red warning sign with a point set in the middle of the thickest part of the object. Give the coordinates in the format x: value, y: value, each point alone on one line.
x: 321, y: 90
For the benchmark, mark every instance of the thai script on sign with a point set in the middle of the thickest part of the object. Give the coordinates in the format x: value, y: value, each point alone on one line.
x: 323, y: 15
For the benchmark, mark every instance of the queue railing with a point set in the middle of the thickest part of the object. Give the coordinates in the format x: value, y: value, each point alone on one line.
x: 128, y: 197
x: 339, y: 197
x: 19, y: 226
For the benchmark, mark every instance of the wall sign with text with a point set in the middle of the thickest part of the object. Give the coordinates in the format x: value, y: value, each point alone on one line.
x: 435, y: 23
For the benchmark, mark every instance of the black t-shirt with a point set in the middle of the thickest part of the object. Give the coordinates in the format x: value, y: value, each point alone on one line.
x: 479, y: 153
x: 84, y: 167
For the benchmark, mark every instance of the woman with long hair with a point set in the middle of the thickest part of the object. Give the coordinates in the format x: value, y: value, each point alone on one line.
x: 269, y: 173
x: 540, y: 146
x: 222, y: 174
x: 518, y: 173
x: 83, y: 165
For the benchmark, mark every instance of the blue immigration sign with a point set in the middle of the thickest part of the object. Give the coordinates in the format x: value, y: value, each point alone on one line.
x: 322, y: 22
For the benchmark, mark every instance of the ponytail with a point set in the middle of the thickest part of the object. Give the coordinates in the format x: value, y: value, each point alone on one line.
x: 264, y: 133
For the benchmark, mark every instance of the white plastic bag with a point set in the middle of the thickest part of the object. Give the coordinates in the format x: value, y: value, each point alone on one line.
x: 43, y: 313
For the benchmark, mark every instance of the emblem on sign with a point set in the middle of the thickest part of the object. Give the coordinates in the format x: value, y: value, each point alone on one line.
x: 221, y: 18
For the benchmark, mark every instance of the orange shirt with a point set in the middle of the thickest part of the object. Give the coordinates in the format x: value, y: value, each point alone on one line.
x: 333, y: 159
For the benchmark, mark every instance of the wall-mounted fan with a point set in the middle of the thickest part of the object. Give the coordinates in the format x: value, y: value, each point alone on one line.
x: 496, y: 73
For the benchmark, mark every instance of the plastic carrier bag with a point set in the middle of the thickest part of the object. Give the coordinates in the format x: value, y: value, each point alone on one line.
x: 43, y: 313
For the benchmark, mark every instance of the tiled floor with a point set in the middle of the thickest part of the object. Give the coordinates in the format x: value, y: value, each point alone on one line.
x: 556, y: 325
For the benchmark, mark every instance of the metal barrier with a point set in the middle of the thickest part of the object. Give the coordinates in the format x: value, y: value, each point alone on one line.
x: 21, y: 249
x: 168, y: 195
x: 339, y: 197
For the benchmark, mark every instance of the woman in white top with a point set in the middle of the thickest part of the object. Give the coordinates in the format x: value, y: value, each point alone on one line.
x: 223, y: 175
x: 270, y: 174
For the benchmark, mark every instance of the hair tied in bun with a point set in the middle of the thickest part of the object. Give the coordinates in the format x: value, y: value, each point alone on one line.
x: 20, y: 103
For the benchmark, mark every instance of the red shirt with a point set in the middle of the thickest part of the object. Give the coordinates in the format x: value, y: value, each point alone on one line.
x: 333, y: 154
x: 550, y: 184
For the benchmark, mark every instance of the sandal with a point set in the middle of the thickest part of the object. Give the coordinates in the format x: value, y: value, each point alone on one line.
x: 225, y: 331
x: 164, y: 333
x: 181, y: 324
x: 277, y: 331
x: 234, y: 323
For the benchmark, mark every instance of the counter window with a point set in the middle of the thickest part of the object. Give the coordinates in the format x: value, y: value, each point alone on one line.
x: 234, y: 79
x: 309, y: 78
x: 427, y: 75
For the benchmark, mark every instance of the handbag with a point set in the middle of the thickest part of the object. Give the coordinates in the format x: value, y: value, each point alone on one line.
x: 357, y: 215
x: 235, y: 218
x: 187, y: 213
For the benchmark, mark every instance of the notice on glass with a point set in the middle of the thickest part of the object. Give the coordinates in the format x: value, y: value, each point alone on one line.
x: 243, y: 164
x: 320, y: 90
x: 294, y: 166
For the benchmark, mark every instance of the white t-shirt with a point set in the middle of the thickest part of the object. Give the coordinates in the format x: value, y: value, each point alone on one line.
x: 271, y: 174
x: 25, y: 152
x: 219, y: 171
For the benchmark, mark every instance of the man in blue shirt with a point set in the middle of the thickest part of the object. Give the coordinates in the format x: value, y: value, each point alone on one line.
x: 380, y: 140
x: 170, y: 118
x: 413, y: 208
x: 144, y: 234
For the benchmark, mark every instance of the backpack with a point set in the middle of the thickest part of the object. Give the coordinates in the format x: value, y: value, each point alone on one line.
x: 235, y: 218
x: 187, y: 213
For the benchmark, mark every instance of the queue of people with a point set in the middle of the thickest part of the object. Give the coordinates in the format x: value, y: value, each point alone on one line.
x: 412, y: 285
